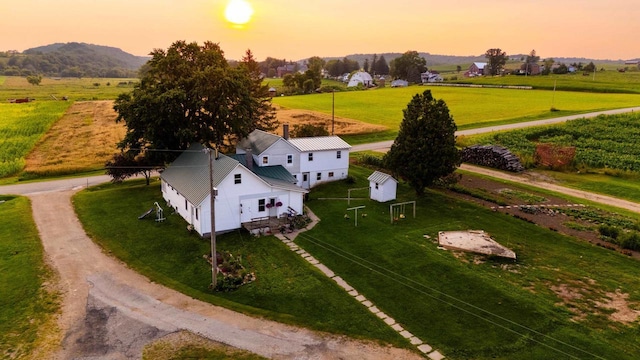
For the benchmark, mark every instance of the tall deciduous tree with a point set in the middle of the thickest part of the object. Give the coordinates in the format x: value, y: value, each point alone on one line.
x: 409, y: 66
x: 190, y: 94
x: 496, y: 59
x: 425, y: 149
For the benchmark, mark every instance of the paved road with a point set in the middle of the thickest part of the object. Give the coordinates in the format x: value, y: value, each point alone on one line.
x: 385, y: 145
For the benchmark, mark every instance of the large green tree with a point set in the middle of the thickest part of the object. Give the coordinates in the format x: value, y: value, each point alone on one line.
x: 425, y: 148
x: 496, y: 59
x: 409, y: 67
x: 189, y: 94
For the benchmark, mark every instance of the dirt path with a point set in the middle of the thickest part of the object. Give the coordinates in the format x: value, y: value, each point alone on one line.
x: 110, y: 311
x: 525, y: 179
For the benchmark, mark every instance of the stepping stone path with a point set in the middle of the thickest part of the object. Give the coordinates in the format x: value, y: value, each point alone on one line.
x: 424, y: 348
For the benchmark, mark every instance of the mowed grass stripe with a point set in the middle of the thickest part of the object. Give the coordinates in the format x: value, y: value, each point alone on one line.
x: 470, y: 107
x: 27, y: 308
x: 21, y: 125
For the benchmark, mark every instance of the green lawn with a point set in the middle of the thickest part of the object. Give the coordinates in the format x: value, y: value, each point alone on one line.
x: 287, y: 289
x: 463, y: 307
x: 27, y: 309
x: 470, y: 107
x: 618, y: 185
x: 476, y: 309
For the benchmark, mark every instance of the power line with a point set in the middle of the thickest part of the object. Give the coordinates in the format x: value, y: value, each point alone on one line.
x: 385, y: 272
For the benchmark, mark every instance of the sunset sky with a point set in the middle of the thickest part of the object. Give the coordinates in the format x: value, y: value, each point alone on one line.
x: 297, y: 29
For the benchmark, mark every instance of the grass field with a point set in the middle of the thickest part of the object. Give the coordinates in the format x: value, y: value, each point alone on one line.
x: 21, y: 126
x: 74, y: 89
x: 470, y: 107
x: 604, y: 81
x: 27, y: 307
x: 288, y: 289
x: 464, y: 306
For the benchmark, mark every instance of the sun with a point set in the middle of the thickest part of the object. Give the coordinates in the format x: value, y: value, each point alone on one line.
x: 238, y: 12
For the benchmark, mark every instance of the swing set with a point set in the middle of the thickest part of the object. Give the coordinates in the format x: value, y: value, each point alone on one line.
x: 397, y: 211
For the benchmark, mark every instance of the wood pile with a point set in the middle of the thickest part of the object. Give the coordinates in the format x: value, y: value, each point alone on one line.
x: 492, y: 156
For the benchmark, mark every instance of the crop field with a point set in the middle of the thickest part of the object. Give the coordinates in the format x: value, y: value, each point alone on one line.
x: 470, y: 107
x: 73, y: 88
x: 609, y: 142
x: 604, y: 81
x: 21, y: 125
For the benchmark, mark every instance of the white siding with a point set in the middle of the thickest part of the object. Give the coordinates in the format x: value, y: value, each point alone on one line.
x: 324, y: 162
x: 384, y: 192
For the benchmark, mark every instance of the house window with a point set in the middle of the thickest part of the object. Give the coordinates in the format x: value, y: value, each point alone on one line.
x: 304, y: 177
x: 339, y: 154
x: 319, y: 176
x: 186, y: 204
x: 265, y: 160
x: 262, y: 204
x: 237, y: 179
x: 330, y: 174
x: 310, y: 156
x: 196, y: 213
x: 376, y: 186
x: 289, y: 159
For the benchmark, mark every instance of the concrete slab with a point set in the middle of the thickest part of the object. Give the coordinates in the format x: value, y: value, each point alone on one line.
x: 343, y: 284
x: 354, y: 293
x: 325, y: 270
x: 381, y: 315
x: 405, y: 334
x: 425, y: 348
x: 361, y: 298
x: 374, y: 309
x: 435, y: 355
x: 415, y: 341
x: 473, y: 241
x: 389, y: 321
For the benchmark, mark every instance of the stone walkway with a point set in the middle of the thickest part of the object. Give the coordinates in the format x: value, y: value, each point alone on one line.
x: 289, y: 241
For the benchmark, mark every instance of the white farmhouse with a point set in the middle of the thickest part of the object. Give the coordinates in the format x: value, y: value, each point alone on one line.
x: 361, y: 77
x: 382, y: 187
x: 311, y: 160
x: 245, y: 192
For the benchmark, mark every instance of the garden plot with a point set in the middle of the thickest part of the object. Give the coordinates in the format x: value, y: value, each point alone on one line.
x: 473, y: 241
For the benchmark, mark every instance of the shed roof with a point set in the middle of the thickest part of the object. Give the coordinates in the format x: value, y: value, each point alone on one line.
x: 480, y: 65
x: 380, y: 177
x: 189, y: 173
x: 319, y: 143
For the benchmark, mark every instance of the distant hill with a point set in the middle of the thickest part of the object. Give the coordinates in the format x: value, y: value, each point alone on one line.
x: 72, y: 60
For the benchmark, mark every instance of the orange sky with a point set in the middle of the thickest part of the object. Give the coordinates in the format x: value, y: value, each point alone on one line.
x: 299, y: 29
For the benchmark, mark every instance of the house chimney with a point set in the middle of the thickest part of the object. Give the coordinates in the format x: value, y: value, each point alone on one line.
x: 285, y: 131
x: 249, y: 159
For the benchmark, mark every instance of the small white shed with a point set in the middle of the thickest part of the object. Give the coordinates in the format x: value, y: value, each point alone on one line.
x: 382, y: 187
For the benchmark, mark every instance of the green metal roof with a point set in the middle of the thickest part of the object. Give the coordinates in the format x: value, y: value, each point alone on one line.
x: 189, y: 173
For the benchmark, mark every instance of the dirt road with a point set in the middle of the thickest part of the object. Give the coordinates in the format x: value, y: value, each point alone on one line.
x: 110, y: 311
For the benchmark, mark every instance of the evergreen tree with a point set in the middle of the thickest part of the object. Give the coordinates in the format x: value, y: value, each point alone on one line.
x: 425, y: 148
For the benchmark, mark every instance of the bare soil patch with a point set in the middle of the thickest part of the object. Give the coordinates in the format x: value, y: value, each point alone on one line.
x: 342, y: 126
x: 82, y: 140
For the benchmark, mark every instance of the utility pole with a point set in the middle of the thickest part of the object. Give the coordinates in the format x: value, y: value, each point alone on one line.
x: 333, y: 110
x: 212, y: 193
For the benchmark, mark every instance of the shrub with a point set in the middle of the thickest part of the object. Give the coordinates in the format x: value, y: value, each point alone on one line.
x: 371, y: 160
x: 631, y: 241
x: 609, y: 231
